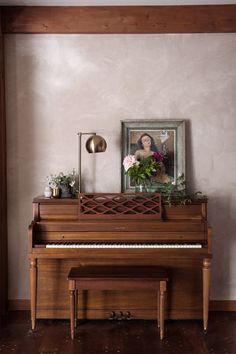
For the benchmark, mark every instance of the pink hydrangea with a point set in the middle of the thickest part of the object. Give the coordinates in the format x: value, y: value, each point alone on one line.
x: 129, y: 161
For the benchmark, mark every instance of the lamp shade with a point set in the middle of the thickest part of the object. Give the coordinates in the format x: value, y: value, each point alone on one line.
x: 96, y: 143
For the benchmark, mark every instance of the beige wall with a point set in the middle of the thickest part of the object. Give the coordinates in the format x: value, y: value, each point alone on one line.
x: 57, y: 85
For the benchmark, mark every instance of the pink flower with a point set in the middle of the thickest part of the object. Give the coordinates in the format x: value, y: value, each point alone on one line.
x: 129, y: 161
x: 158, y: 156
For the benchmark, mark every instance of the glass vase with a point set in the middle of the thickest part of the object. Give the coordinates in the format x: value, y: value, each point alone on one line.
x: 140, y: 188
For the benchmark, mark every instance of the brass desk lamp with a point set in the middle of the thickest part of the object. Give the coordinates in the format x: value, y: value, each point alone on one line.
x: 94, y: 144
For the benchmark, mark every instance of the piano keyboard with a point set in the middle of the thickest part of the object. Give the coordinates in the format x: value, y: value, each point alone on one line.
x: 121, y: 245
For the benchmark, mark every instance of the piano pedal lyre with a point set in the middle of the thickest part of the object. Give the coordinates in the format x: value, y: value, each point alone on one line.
x: 120, y: 316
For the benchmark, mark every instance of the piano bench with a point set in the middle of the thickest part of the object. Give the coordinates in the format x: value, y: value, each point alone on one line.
x: 118, y: 278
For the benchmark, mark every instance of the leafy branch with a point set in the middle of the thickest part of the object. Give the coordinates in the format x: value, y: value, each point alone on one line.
x: 141, y: 171
x: 177, y: 194
x: 62, y: 179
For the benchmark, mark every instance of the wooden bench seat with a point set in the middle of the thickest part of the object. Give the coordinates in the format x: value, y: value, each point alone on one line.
x: 118, y: 278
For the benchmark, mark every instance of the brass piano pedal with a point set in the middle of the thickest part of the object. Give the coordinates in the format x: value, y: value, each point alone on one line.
x: 128, y: 316
x: 120, y: 316
x: 112, y: 316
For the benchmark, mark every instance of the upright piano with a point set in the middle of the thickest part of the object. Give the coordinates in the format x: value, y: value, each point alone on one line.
x: 119, y: 229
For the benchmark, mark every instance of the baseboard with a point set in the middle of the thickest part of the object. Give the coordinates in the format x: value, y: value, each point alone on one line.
x: 215, y: 305
x: 19, y: 305
x: 223, y: 305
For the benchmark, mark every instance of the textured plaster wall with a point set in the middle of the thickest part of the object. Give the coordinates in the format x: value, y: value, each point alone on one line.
x: 57, y: 85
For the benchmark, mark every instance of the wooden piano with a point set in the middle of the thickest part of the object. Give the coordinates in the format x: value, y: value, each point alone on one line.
x: 119, y: 229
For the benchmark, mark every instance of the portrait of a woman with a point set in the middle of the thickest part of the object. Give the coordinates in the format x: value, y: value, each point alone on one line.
x: 146, y: 147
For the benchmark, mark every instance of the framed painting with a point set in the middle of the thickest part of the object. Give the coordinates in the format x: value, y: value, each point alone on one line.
x: 143, y: 138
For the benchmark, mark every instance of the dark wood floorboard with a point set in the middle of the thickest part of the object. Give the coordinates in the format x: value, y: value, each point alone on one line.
x: 124, y: 337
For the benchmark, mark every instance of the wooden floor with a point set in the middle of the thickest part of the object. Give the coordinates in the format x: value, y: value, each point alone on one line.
x: 124, y: 337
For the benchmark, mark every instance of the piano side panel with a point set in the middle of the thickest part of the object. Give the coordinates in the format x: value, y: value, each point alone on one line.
x: 184, y: 291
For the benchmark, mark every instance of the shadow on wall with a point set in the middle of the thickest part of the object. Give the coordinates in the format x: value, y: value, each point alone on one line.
x: 219, y: 216
x: 189, y: 157
x: 222, y: 219
x: 21, y: 135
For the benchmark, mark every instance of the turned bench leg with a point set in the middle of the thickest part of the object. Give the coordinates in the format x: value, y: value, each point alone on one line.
x: 161, y: 319
x: 72, y: 291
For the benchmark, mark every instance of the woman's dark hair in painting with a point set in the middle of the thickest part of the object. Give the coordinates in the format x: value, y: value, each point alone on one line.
x: 153, y: 146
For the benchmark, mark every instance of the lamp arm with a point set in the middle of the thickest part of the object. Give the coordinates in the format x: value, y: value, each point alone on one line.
x: 79, y: 162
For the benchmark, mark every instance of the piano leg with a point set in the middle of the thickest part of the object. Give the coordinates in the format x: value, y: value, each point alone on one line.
x: 33, y: 291
x: 206, y: 270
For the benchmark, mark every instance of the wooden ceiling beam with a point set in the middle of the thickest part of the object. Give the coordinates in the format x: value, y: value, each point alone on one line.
x: 119, y: 19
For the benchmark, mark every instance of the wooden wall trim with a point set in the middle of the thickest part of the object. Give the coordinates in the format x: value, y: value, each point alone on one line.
x: 120, y: 19
x: 19, y: 305
x: 223, y: 305
x: 3, y: 188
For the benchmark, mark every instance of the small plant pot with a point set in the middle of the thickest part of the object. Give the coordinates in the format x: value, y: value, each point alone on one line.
x: 47, y: 192
x: 65, y: 191
x: 56, y: 192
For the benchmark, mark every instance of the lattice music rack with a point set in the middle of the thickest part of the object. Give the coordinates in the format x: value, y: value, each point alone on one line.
x: 119, y: 205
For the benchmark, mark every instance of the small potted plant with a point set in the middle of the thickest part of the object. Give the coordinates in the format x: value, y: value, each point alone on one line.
x: 62, y: 184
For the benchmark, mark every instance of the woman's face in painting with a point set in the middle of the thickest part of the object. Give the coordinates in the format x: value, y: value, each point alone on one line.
x: 146, y: 141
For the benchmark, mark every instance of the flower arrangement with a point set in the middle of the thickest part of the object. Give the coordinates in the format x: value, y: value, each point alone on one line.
x: 141, y: 171
x: 61, y: 179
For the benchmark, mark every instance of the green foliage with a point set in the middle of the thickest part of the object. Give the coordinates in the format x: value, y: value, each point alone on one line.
x: 62, y: 179
x: 176, y: 193
x: 143, y: 170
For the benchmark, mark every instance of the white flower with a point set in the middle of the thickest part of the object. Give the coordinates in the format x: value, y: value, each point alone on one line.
x: 129, y: 161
